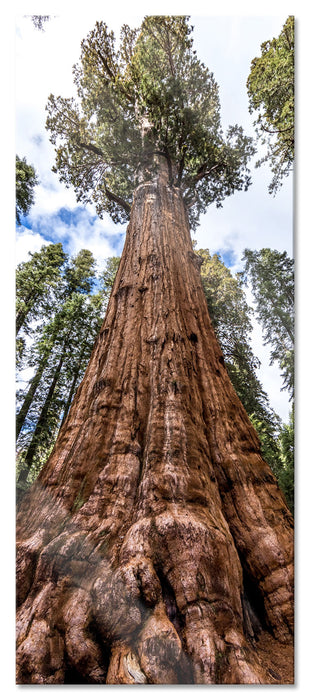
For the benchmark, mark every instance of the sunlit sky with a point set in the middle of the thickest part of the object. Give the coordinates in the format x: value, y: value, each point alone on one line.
x: 226, y: 44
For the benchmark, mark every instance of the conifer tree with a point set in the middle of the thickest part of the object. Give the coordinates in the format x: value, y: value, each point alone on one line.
x: 271, y: 91
x: 49, y: 291
x: 128, y: 118
x: 25, y: 180
x: 271, y: 276
x: 231, y: 319
x: 36, y: 281
x: 60, y: 356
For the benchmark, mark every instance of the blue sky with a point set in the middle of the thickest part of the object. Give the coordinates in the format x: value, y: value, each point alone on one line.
x: 255, y: 219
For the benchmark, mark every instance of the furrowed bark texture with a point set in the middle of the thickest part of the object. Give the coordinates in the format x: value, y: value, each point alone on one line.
x: 155, y: 546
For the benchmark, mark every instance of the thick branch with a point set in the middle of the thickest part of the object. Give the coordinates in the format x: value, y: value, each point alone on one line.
x: 277, y: 131
x: 118, y: 200
x: 180, y: 170
x: 92, y: 148
x: 105, y: 63
x: 111, y: 74
x: 203, y: 173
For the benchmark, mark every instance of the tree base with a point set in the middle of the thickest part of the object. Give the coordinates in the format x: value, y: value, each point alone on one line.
x: 155, y: 546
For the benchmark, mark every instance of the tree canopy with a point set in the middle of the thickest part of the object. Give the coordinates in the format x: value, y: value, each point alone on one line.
x: 271, y: 94
x: 36, y: 279
x: 150, y: 98
x: 26, y: 179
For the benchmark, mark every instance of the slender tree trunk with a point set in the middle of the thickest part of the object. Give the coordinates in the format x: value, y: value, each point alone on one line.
x: 33, y: 386
x: 22, y: 315
x: 155, y: 546
x: 35, y: 382
x: 40, y: 426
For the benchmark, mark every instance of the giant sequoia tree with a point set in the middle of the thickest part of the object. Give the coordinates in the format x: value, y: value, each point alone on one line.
x: 155, y: 546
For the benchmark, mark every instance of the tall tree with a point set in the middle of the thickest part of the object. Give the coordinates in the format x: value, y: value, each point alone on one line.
x: 26, y: 180
x: 231, y: 319
x: 271, y: 275
x: 36, y: 280
x: 155, y: 545
x: 60, y: 356
x: 42, y: 289
x: 68, y: 342
x: 271, y: 94
x: 128, y: 118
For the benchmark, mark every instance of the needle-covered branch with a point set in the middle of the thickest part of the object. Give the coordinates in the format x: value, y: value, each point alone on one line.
x: 271, y: 96
x: 151, y: 96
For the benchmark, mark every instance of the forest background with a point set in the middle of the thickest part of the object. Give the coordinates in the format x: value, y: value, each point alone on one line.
x: 209, y: 224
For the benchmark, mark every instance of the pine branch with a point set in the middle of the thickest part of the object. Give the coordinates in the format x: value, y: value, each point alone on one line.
x: 118, y: 200
x: 92, y: 148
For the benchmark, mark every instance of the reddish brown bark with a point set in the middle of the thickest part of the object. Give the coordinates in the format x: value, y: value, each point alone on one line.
x: 155, y: 546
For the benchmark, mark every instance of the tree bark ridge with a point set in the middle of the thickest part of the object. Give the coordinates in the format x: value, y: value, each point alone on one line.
x: 155, y: 505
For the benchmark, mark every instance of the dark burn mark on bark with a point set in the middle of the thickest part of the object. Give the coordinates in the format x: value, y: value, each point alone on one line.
x: 195, y: 259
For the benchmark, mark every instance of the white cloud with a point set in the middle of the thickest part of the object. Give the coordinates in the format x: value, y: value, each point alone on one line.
x: 49, y: 199
x: 27, y: 242
x: 252, y: 219
x: 75, y: 229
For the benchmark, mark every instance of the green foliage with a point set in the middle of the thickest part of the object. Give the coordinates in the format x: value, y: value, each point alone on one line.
x: 79, y: 275
x: 25, y: 182
x: 59, y: 355
x: 268, y: 432
x: 277, y: 445
x: 107, y: 277
x: 231, y: 320
x: 66, y: 342
x: 151, y: 99
x: 286, y: 476
x: 271, y: 93
x: 271, y: 275
x: 37, y: 281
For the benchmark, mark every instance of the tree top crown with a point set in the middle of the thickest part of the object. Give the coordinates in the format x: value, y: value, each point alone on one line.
x: 147, y: 99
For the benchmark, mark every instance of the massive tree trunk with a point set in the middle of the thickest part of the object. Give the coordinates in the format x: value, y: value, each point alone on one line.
x: 155, y: 546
